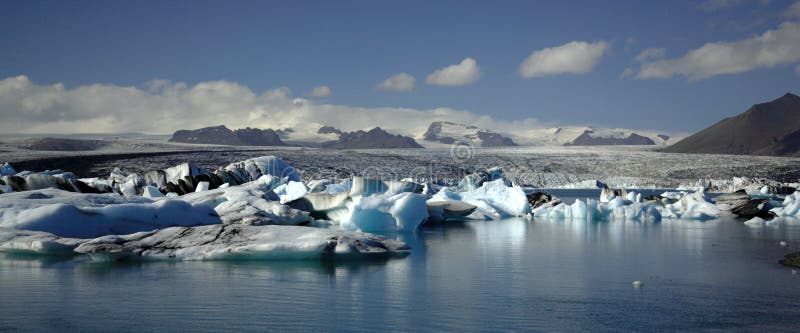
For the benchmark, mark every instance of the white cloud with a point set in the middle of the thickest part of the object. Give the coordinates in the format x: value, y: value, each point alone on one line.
x: 712, y: 5
x: 320, y: 91
x: 464, y: 73
x: 104, y: 108
x: 628, y: 73
x: 793, y: 11
x: 571, y: 58
x: 650, y: 54
x: 776, y: 47
x: 398, y: 82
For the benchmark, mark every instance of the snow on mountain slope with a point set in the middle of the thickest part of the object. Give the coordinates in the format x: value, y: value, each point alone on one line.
x: 448, y: 133
x: 585, y: 135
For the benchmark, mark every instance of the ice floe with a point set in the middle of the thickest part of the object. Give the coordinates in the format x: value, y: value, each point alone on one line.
x: 404, y: 212
x: 69, y: 214
x: 790, y: 206
x: 493, y: 198
x: 211, y: 242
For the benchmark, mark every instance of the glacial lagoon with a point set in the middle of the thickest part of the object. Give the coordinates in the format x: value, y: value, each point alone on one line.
x: 507, y: 275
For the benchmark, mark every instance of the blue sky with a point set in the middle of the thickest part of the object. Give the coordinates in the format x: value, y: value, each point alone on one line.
x: 352, y: 46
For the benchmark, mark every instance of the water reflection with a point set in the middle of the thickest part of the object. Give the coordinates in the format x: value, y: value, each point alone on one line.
x: 513, y: 274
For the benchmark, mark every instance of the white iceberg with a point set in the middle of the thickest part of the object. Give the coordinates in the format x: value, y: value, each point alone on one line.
x: 493, y: 198
x: 693, y: 206
x: 254, y: 168
x: 402, y: 212
x: 7, y: 170
x: 68, y: 214
x: 291, y: 191
x: 790, y: 206
x: 617, y: 209
x: 248, y: 204
x: 212, y: 242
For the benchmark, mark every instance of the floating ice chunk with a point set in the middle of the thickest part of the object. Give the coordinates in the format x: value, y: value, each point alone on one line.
x: 7, y: 170
x: 252, y: 169
x: 758, y: 222
x: 321, y: 202
x: 36, y: 242
x: 673, y: 195
x: 764, y: 189
x: 404, y: 212
x: 90, y: 215
x: 291, y: 191
x: 694, y: 206
x: 318, y: 185
x: 178, y: 172
x: 637, y: 284
x: 617, y: 209
x: 493, y: 198
x: 790, y: 206
x: 201, y: 187
x: 607, y: 195
x: 368, y: 186
x: 213, y: 242
x: 343, y: 186
x: 152, y: 192
x: 240, y: 242
x: 172, y: 195
x: 248, y: 204
x: 634, y: 197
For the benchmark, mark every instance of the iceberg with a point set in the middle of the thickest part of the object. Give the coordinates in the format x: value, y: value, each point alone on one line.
x: 248, y: 204
x: 252, y: 169
x: 7, y: 170
x: 790, y: 207
x: 494, y: 198
x: 400, y: 212
x: 693, y: 206
x: 211, y: 242
x: 291, y: 191
x: 365, y: 187
x: 617, y: 209
x: 36, y: 242
x: 68, y: 214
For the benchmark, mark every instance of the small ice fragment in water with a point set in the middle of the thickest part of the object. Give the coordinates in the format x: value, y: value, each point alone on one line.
x: 637, y: 284
x: 783, y: 243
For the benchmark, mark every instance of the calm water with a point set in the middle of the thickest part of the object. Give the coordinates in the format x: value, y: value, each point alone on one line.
x: 473, y: 276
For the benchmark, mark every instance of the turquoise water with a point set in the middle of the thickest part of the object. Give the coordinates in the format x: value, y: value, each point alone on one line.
x: 506, y: 275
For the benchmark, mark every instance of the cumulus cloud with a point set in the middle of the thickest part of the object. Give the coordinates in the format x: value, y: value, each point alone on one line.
x: 793, y: 12
x: 320, y: 91
x: 464, y: 73
x: 776, y: 47
x: 571, y: 58
x: 168, y: 106
x: 650, y: 54
x: 398, y: 82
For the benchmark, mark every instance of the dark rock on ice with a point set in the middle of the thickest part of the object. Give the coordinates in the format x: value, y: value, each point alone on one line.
x: 791, y: 260
x: 375, y: 138
x: 538, y: 199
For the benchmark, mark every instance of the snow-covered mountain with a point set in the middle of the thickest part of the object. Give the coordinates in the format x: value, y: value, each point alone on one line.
x: 448, y: 132
x: 375, y: 138
x: 590, y: 136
